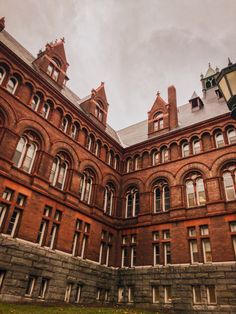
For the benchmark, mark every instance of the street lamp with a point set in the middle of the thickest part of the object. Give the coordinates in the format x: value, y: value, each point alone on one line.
x: 226, y: 82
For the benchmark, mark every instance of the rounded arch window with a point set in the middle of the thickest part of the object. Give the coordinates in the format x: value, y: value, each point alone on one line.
x: 59, y: 170
x: 46, y: 109
x: 219, y: 138
x: 164, y: 154
x: 185, y: 149
x: 229, y: 179
x: 35, y: 102
x: 64, y: 124
x: 137, y: 162
x: 195, y: 190
x: 155, y: 157
x: 158, y: 122
x: 231, y: 134
x: 129, y: 165
x: 86, y: 186
x: 132, y: 203
x: 12, y: 84
x: 25, y: 152
x: 161, y: 193
x: 2, y: 74
x: 109, y: 198
x: 74, y: 131
x: 196, y: 146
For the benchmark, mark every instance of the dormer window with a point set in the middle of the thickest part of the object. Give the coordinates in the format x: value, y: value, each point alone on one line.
x: 53, y: 69
x: 99, y: 111
x: 158, y: 122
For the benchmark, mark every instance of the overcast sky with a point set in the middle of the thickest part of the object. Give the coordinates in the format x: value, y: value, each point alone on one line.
x: 136, y: 47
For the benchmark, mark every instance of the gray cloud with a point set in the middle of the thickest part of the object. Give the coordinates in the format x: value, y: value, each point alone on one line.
x: 136, y: 46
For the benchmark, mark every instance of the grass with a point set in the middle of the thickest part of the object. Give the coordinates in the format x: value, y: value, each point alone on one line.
x: 7, y: 308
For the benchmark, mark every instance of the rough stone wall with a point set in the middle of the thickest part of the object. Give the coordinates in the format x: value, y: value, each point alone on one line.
x: 21, y: 259
x: 182, y: 279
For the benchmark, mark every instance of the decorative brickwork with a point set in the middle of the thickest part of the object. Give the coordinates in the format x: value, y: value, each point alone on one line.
x: 143, y: 216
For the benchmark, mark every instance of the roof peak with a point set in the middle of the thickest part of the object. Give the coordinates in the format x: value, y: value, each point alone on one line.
x: 210, y: 71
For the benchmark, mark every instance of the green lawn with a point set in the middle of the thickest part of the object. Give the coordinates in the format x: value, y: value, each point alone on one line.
x: 6, y: 308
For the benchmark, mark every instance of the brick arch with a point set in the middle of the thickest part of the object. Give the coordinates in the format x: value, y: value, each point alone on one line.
x: 27, y: 124
x: 200, y: 167
x: 111, y: 178
x: 221, y: 161
x: 133, y: 182
x: 8, y: 112
x: 67, y: 148
x: 87, y: 163
x: 168, y: 176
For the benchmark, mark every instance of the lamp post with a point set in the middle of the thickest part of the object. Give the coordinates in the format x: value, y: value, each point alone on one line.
x: 226, y: 82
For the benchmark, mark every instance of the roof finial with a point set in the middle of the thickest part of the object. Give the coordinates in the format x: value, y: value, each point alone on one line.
x: 229, y: 62
x: 158, y: 93
x: 63, y: 39
x: 209, y: 64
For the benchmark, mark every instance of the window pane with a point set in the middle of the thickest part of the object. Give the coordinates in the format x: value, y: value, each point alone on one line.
x: 190, y: 193
x: 19, y: 152
x: 229, y: 186
x: 232, y: 136
x: 28, y: 161
x: 200, y: 192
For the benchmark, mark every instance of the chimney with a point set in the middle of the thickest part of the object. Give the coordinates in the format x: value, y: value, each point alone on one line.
x: 173, y: 115
x: 2, y: 23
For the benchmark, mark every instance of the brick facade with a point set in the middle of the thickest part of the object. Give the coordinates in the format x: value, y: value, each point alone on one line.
x: 82, y: 206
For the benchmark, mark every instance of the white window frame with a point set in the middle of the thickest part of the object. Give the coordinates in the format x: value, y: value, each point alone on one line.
x: 101, y: 253
x: 228, y: 131
x: 154, y: 288
x: 13, y: 231
x: 84, y: 242
x: 208, y: 294
x: 204, y: 250
x: 32, y: 285
x: 44, y: 285
x: 54, y: 230
x: 15, y: 85
x: 191, y: 250
x: 194, y: 294
x: 107, y: 255
x: 75, y: 243
x: 166, y: 294
x: 4, y: 74
x: 130, y: 295
x: 68, y: 292
x: 78, y: 294
x: 120, y: 295
x: 3, y: 210
x: 42, y: 232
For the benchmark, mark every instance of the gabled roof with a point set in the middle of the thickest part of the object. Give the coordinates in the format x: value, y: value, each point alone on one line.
x: 138, y: 132
x: 210, y: 71
x: 194, y: 96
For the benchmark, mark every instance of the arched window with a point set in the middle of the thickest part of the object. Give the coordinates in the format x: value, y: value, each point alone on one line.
x: 116, y: 162
x: 219, y: 138
x: 196, y: 146
x: 155, y: 158
x: 185, y: 149
x: 158, y: 123
x: 137, y: 162
x: 132, y: 203
x: 86, y: 185
x: 109, y: 199
x: 164, y: 154
x: 161, y: 196
x: 97, y: 149
x: 110, y: 158
x: 129, y: 165
x: 89, y: 143
x: 229, y: 178
x: 74, y: 131
x: 64, y: 124
x: 25, y: 152
x: 35, y: 102
x: 2, y: 74
x: 195, y: 190
x: 231, y: 133
x: 45, y: 110
x: 59, y: 171
x: 12, y: 85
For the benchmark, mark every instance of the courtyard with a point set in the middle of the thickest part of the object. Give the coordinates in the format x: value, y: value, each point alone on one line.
x: 6, y: 308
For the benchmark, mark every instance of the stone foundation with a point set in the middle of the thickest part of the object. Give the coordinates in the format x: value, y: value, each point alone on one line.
x: 20, y: 259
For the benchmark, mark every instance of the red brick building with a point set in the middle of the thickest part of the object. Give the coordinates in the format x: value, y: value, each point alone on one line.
x: 143, y: 216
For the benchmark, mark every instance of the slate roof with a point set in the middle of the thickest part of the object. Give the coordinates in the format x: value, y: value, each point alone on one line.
x: 212, y: 107
x: 136, y: 133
